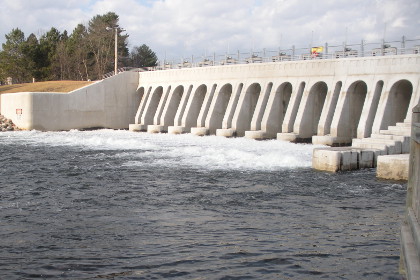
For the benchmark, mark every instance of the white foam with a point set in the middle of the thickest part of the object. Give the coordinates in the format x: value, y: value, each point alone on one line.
x: 210, y: 152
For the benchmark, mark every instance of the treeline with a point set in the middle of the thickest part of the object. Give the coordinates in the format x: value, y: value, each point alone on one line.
x: 86, y: 54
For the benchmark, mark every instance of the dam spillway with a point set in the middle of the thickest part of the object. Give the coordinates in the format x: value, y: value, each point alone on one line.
x: 325, y: 101
x: 333, y: 102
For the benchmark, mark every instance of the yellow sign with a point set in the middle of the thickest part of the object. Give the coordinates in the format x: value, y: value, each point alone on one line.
x: 315, y: 50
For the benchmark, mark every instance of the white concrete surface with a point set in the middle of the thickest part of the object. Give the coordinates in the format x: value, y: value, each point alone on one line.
x: 410, y: 229
x: 110, y: 103
x: 328, y: 101
x: 393, y: 167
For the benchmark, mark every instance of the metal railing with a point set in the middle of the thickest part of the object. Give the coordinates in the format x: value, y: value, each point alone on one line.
x: 326, y: 51
x: 123, y: 69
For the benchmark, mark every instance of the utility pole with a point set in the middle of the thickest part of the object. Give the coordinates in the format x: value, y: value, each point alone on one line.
x: 116, y: 28
x: 116, y: 51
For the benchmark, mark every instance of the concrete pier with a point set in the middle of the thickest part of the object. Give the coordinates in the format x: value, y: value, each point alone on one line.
x: 410, y: 230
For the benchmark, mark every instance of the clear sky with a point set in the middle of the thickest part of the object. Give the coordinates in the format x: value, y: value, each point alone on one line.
x: 181, y: 28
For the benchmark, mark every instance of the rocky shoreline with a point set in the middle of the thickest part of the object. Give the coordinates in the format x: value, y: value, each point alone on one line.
x: 7, y: 124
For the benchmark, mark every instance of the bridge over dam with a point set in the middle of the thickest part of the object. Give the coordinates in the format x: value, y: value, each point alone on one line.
x: 362, y: 102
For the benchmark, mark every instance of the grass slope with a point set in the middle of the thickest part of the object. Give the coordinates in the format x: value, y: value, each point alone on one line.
x: 51, y: 86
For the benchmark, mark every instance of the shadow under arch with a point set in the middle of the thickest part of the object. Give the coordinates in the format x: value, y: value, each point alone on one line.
x: 313, y: 110
x: 172, y: 107
x: 197, y: 99
x: 220, y: 106
x: 248, y: 107
x: 151, y: 108
x: 278, y: 110
x: 396, y: 107
x: 353, y: 106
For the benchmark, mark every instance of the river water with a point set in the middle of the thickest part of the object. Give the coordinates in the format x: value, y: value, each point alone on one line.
x: 109, y: 204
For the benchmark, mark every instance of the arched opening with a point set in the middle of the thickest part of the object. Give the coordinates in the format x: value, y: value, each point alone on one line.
x: 285, y: 92
x: 248, y: 107
x: 258, y: 116
x: 138, y: 96
x: 278, y: 110
x: 356, y: 95
x: 190, y: 119
x: 150, y: 111
x: 332, y: 107
x: 172, y: 106
x: 220, y: 106
x: 397, y: 104
x: 374, y: 107
x: 135, y: 108
x: 291, y: 112
x: 314, y: 106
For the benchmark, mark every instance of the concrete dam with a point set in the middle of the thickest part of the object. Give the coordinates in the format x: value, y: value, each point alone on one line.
x: 364, y: 102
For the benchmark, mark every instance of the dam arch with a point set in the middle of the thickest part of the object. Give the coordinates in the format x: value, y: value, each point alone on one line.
x: 324, y: 125
x: 194, y: 106
x: 261, y: 107
x: 152, y: 106
x: 292, y: 109
x: 311, y: 112
x: 219, y: 108
x: 140, y: 97
x: 353, y: 106
x: 171, y: 106
x: 246, y: 109
x: 366, y: 130
x: 397, y: 103
x: 276, y: 110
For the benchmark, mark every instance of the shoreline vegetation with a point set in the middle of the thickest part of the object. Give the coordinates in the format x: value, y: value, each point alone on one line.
x: 50, y: 86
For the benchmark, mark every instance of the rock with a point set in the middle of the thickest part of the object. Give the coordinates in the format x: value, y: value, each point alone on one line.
x: 7, y: 124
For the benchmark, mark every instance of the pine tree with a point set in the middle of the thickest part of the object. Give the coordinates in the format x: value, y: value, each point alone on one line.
x: 143, y: 56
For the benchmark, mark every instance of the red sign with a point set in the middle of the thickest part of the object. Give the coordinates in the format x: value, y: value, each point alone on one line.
x: 18, y: 111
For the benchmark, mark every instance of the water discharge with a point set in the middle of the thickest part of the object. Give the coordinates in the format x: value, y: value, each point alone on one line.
x: 122, y: 205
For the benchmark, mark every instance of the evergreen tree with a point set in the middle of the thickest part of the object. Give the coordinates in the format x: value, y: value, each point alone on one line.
x: 13, y: 59
x: 101, y: 43
x: 143, y: 56
x: 48, y: 46
x: 33, y: 55
x: 87, y: 54
x: 78, y: 52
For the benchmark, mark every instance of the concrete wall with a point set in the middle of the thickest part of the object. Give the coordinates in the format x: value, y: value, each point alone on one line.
x: 326, y: 101
x: 410, y: 230
x: 110, y: 103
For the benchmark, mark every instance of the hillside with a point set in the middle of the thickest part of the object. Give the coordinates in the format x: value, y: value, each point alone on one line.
x: 51, y: 86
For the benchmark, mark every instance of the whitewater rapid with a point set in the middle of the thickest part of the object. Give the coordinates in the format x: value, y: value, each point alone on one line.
x: 209, y: 152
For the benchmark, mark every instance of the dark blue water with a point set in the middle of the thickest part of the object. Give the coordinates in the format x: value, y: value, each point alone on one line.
x: 122, y: 205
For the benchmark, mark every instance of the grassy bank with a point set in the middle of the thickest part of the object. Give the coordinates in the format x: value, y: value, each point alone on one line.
x: 51, y: 86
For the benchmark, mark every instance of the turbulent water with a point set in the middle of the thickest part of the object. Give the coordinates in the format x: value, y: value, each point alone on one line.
x: 121, y: 205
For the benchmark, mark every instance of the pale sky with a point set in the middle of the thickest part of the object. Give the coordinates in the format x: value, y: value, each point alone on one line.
x: 181, y: 28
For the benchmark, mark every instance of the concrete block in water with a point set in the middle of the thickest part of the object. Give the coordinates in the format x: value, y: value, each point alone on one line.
x: 226, y: 132
x: 343, y: 158
x: 137, y: 127
x: 177, y: 130
x: 156, y: 129
x: 331, y: 140
x: 257, y: 135
x: 200, y: 131
x: 394, y: 167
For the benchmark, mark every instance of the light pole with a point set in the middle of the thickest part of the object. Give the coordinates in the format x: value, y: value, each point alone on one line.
x: 116, y: 28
